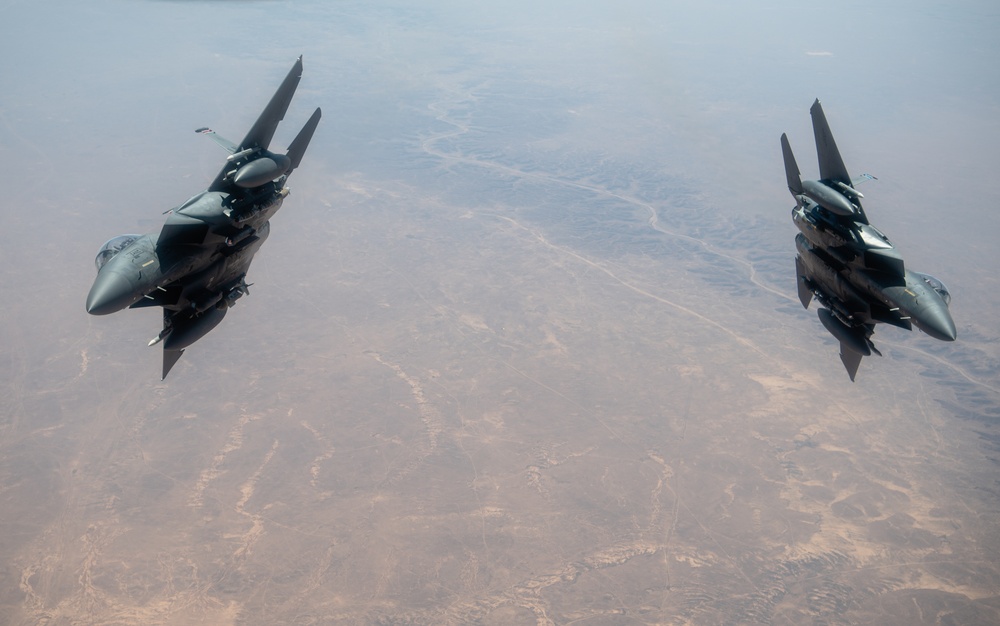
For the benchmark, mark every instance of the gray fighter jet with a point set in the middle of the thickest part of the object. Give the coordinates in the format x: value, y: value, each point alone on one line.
x: 851, y: 268
x: 195, y: 268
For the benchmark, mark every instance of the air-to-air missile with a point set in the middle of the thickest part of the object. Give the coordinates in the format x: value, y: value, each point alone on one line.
x: 195, y: 267
x: 848, y: 265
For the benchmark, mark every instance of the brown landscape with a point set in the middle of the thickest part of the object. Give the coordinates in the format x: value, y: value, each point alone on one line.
x: 520, y: 350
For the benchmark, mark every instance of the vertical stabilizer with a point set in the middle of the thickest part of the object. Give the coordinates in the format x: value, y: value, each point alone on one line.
x: 263, y: 129
x: 260, y: 135
x: 301, y: 141
x: 792, y: 173
x: 831, y: 165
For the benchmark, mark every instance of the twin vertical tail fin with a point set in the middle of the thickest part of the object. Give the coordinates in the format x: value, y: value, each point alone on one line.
x: 298, y: 146
x: 792, y: 173
x: 263, y: 129
x: 831, y: 165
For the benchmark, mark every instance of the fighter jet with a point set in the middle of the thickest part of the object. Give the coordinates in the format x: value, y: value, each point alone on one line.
x: 195, y: 268
x: 848, y: 265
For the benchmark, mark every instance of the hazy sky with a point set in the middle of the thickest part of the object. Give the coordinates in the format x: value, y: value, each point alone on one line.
x: 468, y: 154
x: 911, y: 89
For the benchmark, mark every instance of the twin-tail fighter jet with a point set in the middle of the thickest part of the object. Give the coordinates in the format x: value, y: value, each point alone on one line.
x: 195, y: 268
x: 850, y: 267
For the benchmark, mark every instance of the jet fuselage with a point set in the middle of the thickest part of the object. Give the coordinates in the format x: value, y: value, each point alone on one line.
x: 858, y: 295
x: 199, y: 242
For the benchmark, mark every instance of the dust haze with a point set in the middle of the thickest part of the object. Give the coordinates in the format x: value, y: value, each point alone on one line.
x: 523, y: 345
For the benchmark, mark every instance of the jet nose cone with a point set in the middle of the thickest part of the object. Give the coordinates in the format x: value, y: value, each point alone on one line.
x: 111, y: 292
x: 937, y: 323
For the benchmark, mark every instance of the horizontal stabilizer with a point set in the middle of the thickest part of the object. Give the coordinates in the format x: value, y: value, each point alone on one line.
x: 222, y: 141
x: 860, y: 178
x: 298, y: 146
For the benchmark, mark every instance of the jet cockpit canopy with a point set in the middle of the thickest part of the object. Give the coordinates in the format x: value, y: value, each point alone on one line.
x: 937, y: 286
x: 112, y: 247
